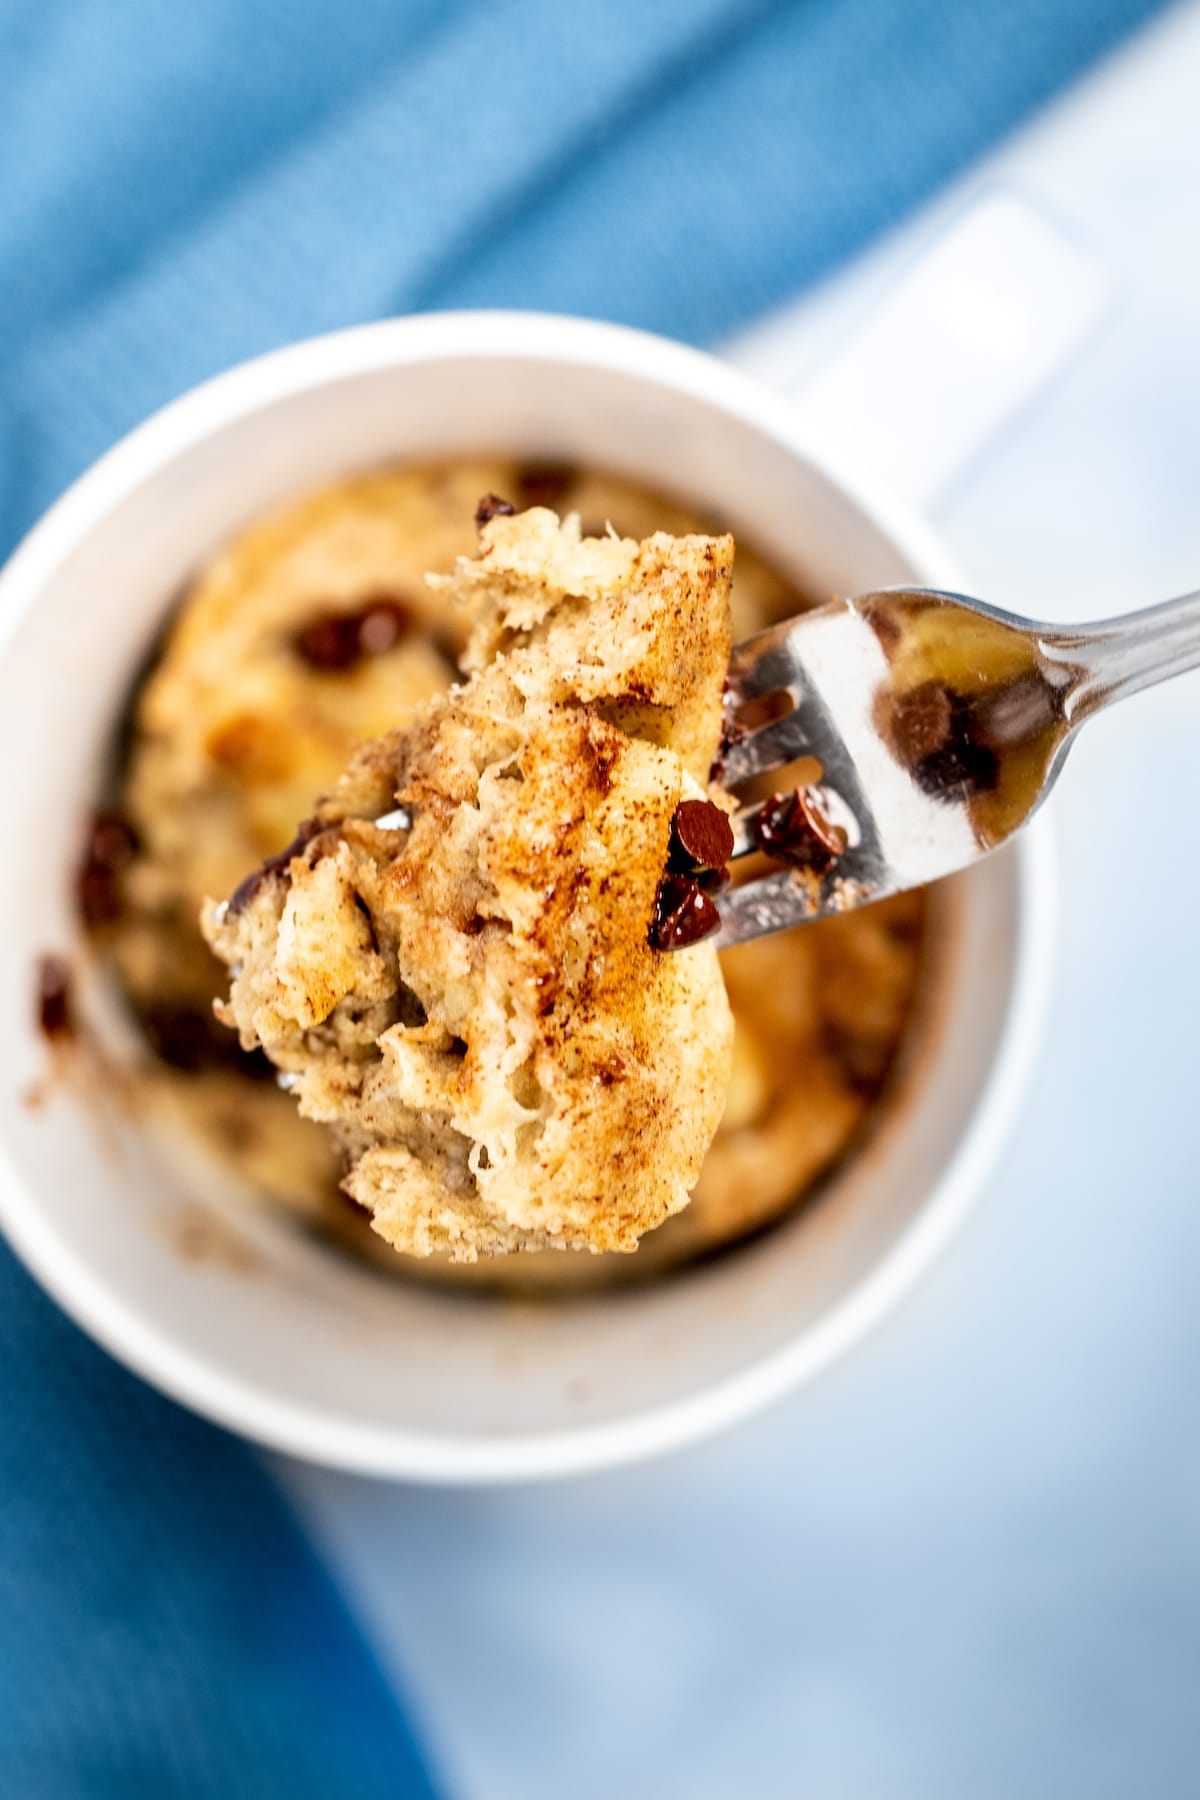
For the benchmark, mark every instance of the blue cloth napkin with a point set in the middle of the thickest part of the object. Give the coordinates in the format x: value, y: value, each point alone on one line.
x: 189, y: 185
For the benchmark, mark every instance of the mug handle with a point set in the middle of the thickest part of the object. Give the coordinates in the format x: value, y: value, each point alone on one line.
x: 914, y: 378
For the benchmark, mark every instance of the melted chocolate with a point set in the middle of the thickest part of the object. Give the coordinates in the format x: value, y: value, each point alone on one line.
x: 245, y: 891
x: 194, y: 1042
x: 334, y: 642
x: 545, y: 483
x: 110, y: 847
x: 55, y: 1015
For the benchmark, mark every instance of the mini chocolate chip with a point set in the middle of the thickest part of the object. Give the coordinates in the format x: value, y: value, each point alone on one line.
x: 701, y: 837
x: 335, y: 641
x: 328, y: 642
x: 683, y: 914
x: 180, y: 1035
x: 863, y: 1059
x: 545, y: 483
x: 492, y: 507
x: 793, y: 829
x: 110, y: 847
x: 54, y: 1011
x: 245, y: 891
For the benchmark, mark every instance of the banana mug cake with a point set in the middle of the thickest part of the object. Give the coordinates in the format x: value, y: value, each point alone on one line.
x: 456, y: 1120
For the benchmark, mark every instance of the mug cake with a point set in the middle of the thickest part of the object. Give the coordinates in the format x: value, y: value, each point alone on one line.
x: 314, y: 630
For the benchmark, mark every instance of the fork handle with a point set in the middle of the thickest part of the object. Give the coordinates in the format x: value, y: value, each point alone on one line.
x: 1118, y: 657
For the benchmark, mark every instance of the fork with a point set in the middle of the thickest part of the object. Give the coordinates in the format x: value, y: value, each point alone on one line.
x: 905, y: 734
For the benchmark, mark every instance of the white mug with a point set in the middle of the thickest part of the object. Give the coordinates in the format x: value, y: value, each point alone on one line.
x: 294, y: 1345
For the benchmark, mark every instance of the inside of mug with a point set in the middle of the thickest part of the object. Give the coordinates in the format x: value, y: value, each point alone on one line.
x: 225, y: 1303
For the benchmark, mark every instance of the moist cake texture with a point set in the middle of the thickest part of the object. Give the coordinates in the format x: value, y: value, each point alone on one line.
x: 454, y: 971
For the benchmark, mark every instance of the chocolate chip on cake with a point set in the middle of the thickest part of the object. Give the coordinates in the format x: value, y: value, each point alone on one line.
x: 493, y: 507
x: 110, y: 848
x: 683, y: 914
x: 701, y: 837
x: 244, y: 892
x: 335, y: 641
x: 55, y: 1015
x: 546, y: 483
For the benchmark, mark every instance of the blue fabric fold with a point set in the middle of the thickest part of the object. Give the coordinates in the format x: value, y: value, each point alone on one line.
x: 188, y: 186
x: 165, y: 1631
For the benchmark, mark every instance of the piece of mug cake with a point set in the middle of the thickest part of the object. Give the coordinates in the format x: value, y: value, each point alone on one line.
x: 458, y: 965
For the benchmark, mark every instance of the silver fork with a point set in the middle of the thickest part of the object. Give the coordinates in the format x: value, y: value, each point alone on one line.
x: 929, y: 729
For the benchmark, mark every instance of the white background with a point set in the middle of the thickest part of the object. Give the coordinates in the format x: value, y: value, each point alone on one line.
x: 966, y: 1562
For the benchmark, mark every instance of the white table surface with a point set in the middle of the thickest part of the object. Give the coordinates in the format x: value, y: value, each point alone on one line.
x: 967, y: 1560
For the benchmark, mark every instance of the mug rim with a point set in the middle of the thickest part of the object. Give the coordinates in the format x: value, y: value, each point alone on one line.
x: 398, y: 1452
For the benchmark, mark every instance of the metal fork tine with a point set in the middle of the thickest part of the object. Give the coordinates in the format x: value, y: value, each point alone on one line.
x: 786, y: 897
x: 768, y: 663
x: 782, y: 741
x: 939, y: 725
x: 764, y: 663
